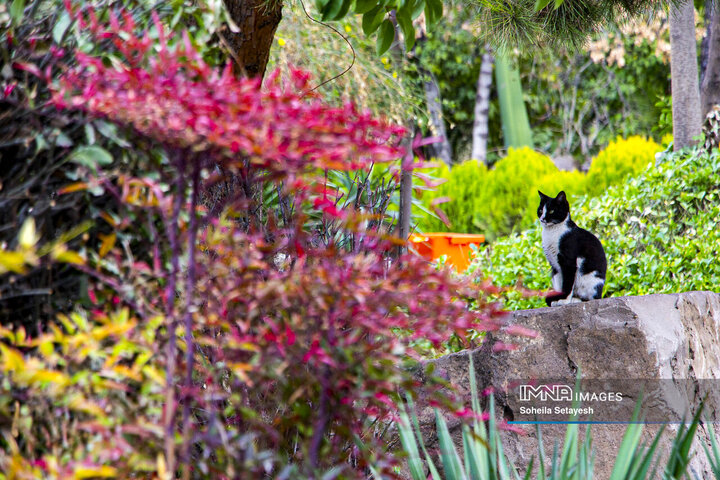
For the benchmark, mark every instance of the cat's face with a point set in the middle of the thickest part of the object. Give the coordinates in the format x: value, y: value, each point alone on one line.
x: 551, y: 210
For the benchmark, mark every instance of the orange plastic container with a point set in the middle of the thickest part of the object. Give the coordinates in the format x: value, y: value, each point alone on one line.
x: 455, y: 245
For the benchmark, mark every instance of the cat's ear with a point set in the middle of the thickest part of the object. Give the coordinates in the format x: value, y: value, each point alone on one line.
x: 561, y: 197
x: 542, y: 195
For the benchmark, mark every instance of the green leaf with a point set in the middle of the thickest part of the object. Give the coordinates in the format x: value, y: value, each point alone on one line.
x: 540, y: 4
x: 385, y: 37
x: 331, y: 9
x: 628, y: 446
x: 63, y: 140
x: 109, y: 130
x: 91, y: 156
x: 17, y: 10
x: 406, y: 25
x: 344, y: 9
x: 448, y: 454
x: 321, y: 5
x: 61, y: 27
x: 364, y: 6
x: 90, y: 133
x: 433, y: 11
x: 418, y: 8
x: 409, y: 443
x: 371, y: 20
x: 558, y: 3
x: 434, y: 474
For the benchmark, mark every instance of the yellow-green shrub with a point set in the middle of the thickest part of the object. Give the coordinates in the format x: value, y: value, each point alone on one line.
x: 463, y: 186
x: 621, y: 158
x: 494, y: 201
x: 502, y: 199
x: 503, y: 204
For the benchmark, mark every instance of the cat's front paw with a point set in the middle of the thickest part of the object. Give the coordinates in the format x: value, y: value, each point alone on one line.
x: 563, y: 301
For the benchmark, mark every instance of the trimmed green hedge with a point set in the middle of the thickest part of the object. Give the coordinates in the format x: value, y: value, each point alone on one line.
x: 660, y: 233
x: 503, y: 199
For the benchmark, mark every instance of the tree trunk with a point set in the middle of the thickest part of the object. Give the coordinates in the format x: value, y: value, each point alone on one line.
x: 482, y: 108
x: 437, y: 123
x: 257, y: 21
x: 406, y: 182
x: 687, y: 117
x: 710, y: 87
x: 405, y: 203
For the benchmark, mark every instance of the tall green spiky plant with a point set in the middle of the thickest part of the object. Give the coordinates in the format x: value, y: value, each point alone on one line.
x: 515, y: 123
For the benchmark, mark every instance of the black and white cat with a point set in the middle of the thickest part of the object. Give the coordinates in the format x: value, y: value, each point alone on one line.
x: 576, y: 256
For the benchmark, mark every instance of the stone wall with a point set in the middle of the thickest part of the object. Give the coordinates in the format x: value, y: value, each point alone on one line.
x: 672, y: 337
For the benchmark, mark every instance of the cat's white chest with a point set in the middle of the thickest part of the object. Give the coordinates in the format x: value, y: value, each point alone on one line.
x: 551, y: 235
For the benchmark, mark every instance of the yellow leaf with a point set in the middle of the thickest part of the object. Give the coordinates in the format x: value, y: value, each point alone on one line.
x: 106, y: 216
x: 20, y: 336
x: 91, y: 472
x: 27, y: 238
x: 51, y: 376
x: 100, y: 333
x: 13, y: 360
x: 80, y: 321
x: 250, y: 347
x: 67, y: 256
x: 106, y: 384
x: 6, y: 333
x: 69, y: 326
x: 154, y: 374
x: 57, y: 333
x: 108, y: 242
x: 245, y: 367
x: 142, y: 359
x: 125, y: 372
x: 12, y: 262
x: 73, y: 188
x: 78, y: 402
x: 46, y: 348
x: 161, y: 466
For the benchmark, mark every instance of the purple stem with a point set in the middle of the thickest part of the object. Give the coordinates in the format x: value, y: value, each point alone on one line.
x: 322, y: 422
x: 173, y: 230
x: 189, y: 289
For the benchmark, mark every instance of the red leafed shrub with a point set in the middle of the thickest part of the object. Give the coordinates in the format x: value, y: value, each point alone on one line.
x: 260, y: 329
x: 174, y: 97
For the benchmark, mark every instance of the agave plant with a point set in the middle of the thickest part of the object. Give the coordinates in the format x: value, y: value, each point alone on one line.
x: 483, y: 458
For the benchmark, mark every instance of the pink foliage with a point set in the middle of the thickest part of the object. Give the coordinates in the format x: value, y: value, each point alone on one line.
x: 168, y: 93
x: 307, y: 356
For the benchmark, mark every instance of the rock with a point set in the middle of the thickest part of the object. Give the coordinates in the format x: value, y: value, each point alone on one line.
x: 668, y: 345
x: 565, y: 162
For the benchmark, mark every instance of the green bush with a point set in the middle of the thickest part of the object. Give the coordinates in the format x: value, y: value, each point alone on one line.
x: 505, y: 202
x: 503, y: 199
x: 619, y: 160
x: 492, y: 202
x: 659, y: 231
x: 464, y: 186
